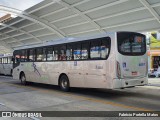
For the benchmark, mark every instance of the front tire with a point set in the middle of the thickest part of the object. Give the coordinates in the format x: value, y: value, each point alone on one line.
x: 64, y: 83
x: 23, y: 79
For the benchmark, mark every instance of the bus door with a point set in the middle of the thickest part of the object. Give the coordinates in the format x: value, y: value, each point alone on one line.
x: 131, y: 57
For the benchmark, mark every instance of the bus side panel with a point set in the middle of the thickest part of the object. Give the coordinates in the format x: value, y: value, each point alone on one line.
x: 16, y: 73
x: 75, y: 73
x: 52, y: 69
x: 1, y: 69
x: 27, y: 68
x: 49, y: 72
x: 7, y: 69
x: 73, y: 70
x: 100, y: 73
x: 111, y: 62
x: 95, y: 73
x: 39, y: 72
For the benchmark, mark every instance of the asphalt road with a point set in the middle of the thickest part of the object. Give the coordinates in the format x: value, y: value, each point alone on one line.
x: 40, y: 97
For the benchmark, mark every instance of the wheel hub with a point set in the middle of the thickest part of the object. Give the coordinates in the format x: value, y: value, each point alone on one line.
x: 64, y: 83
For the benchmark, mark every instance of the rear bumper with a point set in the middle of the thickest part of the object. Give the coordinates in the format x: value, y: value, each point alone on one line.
x: 124, y: 83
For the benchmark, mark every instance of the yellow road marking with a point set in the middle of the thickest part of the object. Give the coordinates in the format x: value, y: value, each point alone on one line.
x: 86, y: 98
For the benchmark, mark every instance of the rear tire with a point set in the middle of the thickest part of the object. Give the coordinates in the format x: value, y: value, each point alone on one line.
x: 23, y: 79
x: 64, y: 83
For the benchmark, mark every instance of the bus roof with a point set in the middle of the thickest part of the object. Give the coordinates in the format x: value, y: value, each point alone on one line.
x: 67, y: 40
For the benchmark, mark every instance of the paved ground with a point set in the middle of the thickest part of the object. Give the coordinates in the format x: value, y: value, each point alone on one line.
x: 154, y: 82
x: 40, y: 97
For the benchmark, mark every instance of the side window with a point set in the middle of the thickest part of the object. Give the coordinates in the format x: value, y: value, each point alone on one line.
x: 69, y: 51
x: 105, y: 46
x: 5, y: 60
x: 39, y: 54
x: 77, y: 51
x: 62, y: 52
x: 44, y: 54
x: 17, y: 56
x: 0, y: 60
x: 85, y: 50
x: 56, y: 53
x: 23, y: 56
x: 95, y: 49
x: 49, y: 54
x: 31, y: 55
x: 9, y: 60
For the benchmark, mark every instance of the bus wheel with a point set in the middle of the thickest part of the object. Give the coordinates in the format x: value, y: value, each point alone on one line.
x: 23, y: 79
x: 64, y: 83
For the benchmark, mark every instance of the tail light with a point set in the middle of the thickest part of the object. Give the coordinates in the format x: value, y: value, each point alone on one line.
x: 118, y: 70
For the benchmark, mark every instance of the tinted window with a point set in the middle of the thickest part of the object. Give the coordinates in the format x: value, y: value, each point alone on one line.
x: 39, y: 54
x: 50, y: 54
x: 62, y: 52
x: 77, y: 51
x: 85, y: 51
x: 56, y: 53
x: 69, y: 52
x: 44, y: 56
x: 5, y: 60
x: 95, y: 49
x: 31, y: 55
x: 17, y: 56
x: 23, y: 55
x: 9, y: 60
x: 131, y: 43
x: 105, y: 46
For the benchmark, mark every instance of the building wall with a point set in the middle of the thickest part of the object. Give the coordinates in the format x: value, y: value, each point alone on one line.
x: 5, y: 18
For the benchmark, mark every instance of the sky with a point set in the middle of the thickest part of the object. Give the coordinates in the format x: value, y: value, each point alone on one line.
x: 18, y: 4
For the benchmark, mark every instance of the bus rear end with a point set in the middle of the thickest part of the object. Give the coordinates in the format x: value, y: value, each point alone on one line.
x: 131, y: 60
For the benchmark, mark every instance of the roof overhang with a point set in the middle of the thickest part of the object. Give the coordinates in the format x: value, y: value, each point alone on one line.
x: 53, y: 20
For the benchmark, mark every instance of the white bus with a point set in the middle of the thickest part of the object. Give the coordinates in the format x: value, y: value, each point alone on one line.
x: 6, y: 65
x: 115, y: 60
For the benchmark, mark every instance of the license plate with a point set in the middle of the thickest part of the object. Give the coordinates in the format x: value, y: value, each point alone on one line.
x: 134, y: 73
